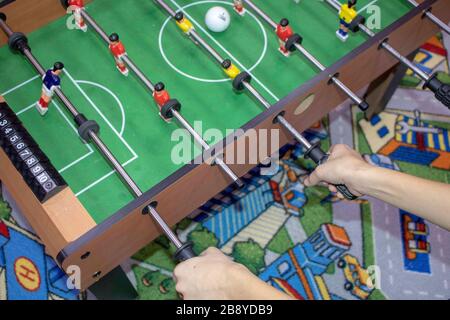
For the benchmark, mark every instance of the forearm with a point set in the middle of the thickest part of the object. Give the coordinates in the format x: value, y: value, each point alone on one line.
x: 428, y: 199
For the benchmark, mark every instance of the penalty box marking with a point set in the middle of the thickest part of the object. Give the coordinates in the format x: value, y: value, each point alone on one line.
x: 30, y: 107
x: 91, y: 151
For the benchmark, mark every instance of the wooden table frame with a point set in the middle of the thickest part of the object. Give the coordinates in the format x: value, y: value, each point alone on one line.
x: 70, y: 234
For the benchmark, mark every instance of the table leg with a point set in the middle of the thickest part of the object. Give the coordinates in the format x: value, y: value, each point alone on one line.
x: 114, y: 286
x: 381, y: 90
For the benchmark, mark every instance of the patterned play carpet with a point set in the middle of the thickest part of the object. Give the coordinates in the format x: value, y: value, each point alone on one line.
x: 303, y: 241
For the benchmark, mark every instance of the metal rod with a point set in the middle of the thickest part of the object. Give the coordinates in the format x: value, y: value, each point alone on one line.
x: 134, y: 188
x: 67, y: 103
x: 191, y: 130
x: 6, y: 29
x: 101, y: 146
x: 444, y: 27
x: 194, y: 36
x: 314, y: 152
x: 405, y: 61
x: 336, y: 5
x: 248, y: 86
x: 148, y: 83
x: 126, y: 59
x: 256, y: 94
x: 307, y: 54
x: 206, y: 147
x: 297, y: 135
x: 166, y: 7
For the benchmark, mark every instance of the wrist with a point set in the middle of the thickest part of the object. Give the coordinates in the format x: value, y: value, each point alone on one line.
x: 238, y: 278
x: 364, y: 178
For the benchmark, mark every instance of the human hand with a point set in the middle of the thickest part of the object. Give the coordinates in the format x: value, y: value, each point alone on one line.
x: 212, y: 276
x: 345, y: 166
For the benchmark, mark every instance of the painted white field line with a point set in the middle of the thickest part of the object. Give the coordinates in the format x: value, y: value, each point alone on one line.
x: 367, y: 5
x: 26, y: 109
x: 76, y: 162
x: 19, y: 86
x: 104, y: 177
x: 99, y: 112
x: 119, y: 103
x: 224, y: 50
x: 135, y: 156
x: 91, y: 151
x: 161, y: 48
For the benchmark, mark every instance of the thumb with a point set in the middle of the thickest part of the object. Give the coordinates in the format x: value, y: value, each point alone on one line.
x: 313, y: 179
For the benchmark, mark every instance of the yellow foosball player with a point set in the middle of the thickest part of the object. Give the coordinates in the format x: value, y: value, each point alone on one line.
x: 230, y: 69
x: 183, y: 23
x: 347, y: 14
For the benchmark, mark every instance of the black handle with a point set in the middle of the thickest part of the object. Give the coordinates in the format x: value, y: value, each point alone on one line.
x: 316, y: 154
x: 185, y: 253
x: 441, y: 90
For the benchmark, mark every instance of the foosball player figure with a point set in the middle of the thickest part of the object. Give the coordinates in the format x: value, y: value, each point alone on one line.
x: 183, y: 23
x: 230, y: 69
x: 118, y: 51
x: 346, y: 15
x: 284, y: 32
x: 76, y: 6
x: 161, y: 97
x: 238, y: 6
x: 50, y: 82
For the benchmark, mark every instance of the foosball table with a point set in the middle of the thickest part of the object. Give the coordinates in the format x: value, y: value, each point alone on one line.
x: 94, y: 172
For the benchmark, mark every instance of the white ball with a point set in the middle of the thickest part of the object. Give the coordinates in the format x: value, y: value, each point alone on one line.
x: 217, y: 19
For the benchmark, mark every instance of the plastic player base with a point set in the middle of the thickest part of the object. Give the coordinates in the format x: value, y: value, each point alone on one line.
x: 241, y: 13
x: 342, y: 37
x: 123, y: 72
x: 165, y: 120
x: 286, y: 54
x: 83, y: 28
x: 42, y: 111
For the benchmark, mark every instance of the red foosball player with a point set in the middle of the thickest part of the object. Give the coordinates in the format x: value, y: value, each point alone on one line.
x: 77, y: 6
x: 118, y: 51
x: 50, y: 82
x: 284, y: 32
x: 161, y: 97
x: 239, y: 7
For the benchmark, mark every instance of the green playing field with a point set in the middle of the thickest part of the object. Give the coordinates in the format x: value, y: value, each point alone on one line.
x: 126, y: 112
